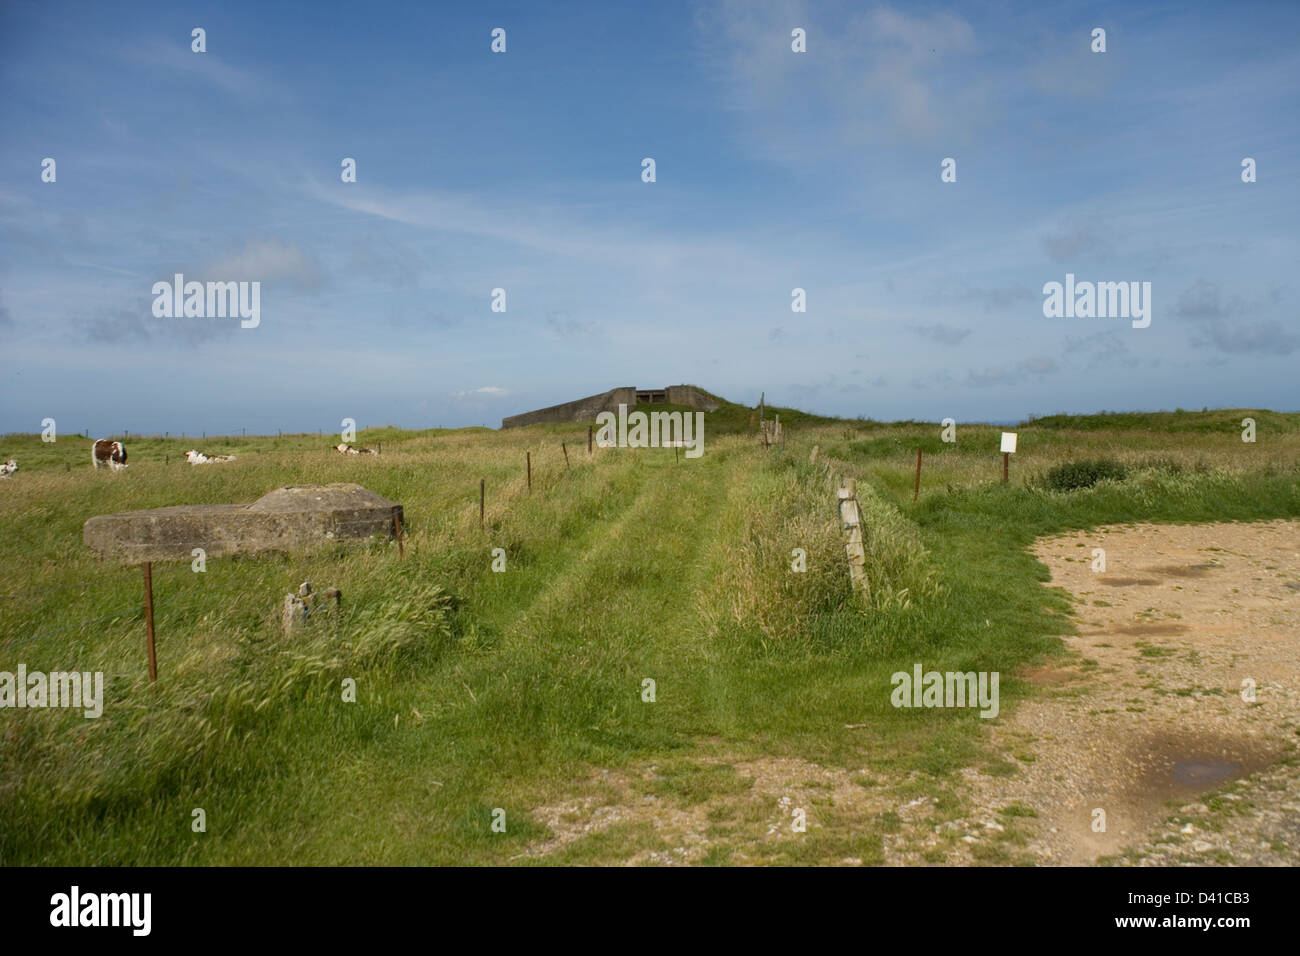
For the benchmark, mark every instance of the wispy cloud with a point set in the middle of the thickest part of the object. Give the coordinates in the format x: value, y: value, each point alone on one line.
x: 942, y: 334
x: 1068, y: 244
x: 565, y: 326
x: 1030, y: 368
x: 879, y: 76
x: 265, y: 260
x: 485, y: 391
x: 174, y: 55
x: 1231, y: 325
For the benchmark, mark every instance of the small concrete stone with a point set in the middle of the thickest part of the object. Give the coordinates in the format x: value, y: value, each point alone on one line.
x: 295, y: 612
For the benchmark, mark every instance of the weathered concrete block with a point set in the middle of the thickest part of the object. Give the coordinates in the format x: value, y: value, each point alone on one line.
x: 287, y: 519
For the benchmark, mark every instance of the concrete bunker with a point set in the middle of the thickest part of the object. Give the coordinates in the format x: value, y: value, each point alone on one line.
x: 289, y: 519
x: 586, y: 409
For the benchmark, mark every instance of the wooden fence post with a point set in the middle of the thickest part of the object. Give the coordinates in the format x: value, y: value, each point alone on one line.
x: 148, y: 620
x: 917, y: 491
x: 397, y: 530
x: 1006, y: 461
x: 851, y: 521
x: 482, y: 485
x: 564, y: 448
x: 529, y: 455
x: 588, y: 439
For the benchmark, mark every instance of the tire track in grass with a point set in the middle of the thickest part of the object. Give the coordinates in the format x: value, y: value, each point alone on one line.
x: 625, y: 610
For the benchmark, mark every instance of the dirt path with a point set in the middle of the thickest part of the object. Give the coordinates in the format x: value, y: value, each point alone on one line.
x: 1157, y: 710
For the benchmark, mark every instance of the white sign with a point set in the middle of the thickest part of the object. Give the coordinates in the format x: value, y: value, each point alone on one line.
x: 1009, y: 442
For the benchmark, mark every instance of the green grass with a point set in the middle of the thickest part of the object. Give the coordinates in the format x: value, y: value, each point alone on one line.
x: 479, y: 691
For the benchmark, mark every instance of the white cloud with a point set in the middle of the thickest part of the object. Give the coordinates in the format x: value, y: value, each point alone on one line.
x: 175, y: 55
x: 266, y: 261
x: 872, y: 77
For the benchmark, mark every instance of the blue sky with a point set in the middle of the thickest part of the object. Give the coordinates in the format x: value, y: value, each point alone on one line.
x: 522, y: 170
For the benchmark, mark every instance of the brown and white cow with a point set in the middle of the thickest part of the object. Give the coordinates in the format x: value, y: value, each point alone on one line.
x: 110, y: 453
x: 8, y: 468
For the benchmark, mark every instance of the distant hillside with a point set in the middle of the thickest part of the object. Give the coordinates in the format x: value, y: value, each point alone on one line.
x: 1205, y: 421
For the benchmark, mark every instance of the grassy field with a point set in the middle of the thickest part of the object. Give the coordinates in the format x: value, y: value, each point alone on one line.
x: 479, y: 690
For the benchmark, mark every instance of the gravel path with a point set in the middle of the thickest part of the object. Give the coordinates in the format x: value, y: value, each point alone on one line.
x: 1157, y: 708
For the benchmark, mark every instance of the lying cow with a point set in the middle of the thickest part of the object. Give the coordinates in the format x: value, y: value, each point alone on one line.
x: 110, y: 453
x: 8, y: 468
x: 198, y: 458
x: 346, y: 449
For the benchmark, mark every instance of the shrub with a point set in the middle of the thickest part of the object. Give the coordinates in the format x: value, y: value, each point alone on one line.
x: 1074, y: 475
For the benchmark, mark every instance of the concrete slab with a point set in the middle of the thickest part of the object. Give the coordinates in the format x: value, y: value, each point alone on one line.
x: 287, y: 519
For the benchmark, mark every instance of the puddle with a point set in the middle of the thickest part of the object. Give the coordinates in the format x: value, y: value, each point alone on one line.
x: 1203, y: 773
x: 1177, y: 767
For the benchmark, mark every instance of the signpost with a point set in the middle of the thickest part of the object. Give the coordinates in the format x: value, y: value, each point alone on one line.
x: 1008, y: 449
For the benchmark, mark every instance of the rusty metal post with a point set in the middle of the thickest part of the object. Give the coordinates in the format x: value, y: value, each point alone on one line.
x: 529, y: 456
x: 1006, y: 460
x: 148, y: 620
x: 588, y: 439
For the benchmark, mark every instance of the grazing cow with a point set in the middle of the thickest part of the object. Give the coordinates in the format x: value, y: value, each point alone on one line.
x: 8, y: 468
x: 346, y: 449
x: 198, y: 458
x: 110, y: 453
